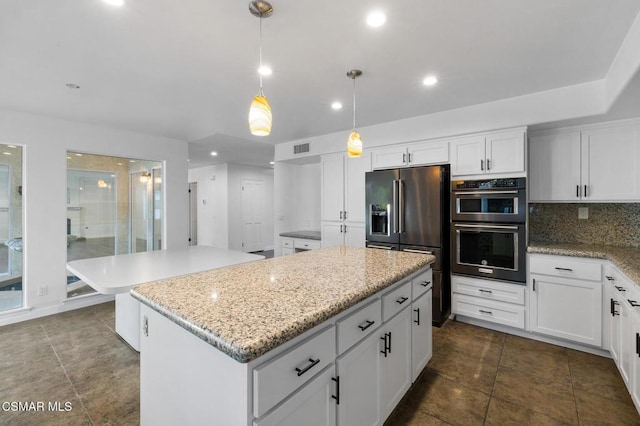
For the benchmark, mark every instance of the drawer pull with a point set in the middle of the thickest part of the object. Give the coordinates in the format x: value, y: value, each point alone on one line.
x: 486, y: 312
x: 417, y: 320
x: 402, y: 300
x: 485, y: 291
x: 564, y: 269
x: 609, y: 278
x: 633, y: 303
x: 313, y: 363
x: 425, y: 283
x: 337, y: 395
x: 368, y: 324
x: 620, y: 288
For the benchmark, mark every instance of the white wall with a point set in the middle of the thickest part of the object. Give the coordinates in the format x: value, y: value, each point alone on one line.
x: 45, y: 142
x: 238, y: 172
x: 212, y: 199
x: 296, y: 199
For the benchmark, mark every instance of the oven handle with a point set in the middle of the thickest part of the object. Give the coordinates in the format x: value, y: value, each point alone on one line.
x: 459, y: 225
x: 483, y: 192
x: 417, y: 251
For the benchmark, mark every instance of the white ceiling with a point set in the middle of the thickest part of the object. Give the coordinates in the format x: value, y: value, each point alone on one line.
x: 187, y: 69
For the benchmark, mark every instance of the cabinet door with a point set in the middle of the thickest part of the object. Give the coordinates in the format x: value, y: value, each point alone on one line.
x: 332, y: 234
x: 389, y: 158
x: 312, y: 405
x: 554, y: 167
x: 354, y: 235
x: 355, y: 187
x: 614, y: 327
x: 359, y: 385
x: 332, y: 175
x: 566, y: 308
x: 467, y: 156
x: 395, y: 367
x: 421, y: 339
x: 611, y: 163
x: 424, y: 153
x: 635, y: 361
x: 624, y: 354
x: 505, y: 152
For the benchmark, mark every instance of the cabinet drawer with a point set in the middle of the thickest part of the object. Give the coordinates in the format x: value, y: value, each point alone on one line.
x: 276, y: 379
x: 305, y: 244
x: 561, y: 266
x: 287, y: 242
x: 394, y: 301
x: 422, y: 283
x: 492, y: 290
x: 489, y: 310
x: 359, y: 325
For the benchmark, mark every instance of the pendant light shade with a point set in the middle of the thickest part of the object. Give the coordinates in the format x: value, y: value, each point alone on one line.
x: 260, y: 117
x: 354, y: 144
x: 354, y: 141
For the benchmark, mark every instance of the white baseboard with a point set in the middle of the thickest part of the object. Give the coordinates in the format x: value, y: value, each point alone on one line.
x: 27, y: 313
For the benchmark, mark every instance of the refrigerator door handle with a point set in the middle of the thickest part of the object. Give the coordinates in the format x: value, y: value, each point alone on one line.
x: 400, y: 205
x: 395, y: 206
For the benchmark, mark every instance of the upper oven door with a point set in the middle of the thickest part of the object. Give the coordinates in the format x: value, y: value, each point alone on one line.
x: 501, y: 206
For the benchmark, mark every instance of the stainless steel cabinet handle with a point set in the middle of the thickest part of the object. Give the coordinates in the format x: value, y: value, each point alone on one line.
x: 460, y: 225
x: 395, y: 205
x: 482, y: 165
x: 417, y: 251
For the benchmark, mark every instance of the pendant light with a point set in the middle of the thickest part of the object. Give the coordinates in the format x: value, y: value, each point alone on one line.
x: 354, y: 142
x: 260, y: 110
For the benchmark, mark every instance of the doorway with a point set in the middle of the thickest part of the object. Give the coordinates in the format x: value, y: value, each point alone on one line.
x: 145, y: 211
x: 193, y: 213
x: 252, y: 202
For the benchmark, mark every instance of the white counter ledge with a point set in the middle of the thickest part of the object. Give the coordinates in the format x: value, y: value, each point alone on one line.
x: 246, y: 310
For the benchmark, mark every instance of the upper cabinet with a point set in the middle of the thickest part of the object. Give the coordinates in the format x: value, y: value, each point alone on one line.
x: 492, y: 153
x: 595, y: 163
x: 410, y: 155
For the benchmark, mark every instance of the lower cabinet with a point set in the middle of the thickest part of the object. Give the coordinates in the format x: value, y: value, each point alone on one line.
x: 395, y: 364
x: 343, y: 233
x: 421, y: 334
x: 312, y: 405
x: 635, y: 362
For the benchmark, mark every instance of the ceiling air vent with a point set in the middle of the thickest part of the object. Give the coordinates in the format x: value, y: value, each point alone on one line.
x: 300, y: 149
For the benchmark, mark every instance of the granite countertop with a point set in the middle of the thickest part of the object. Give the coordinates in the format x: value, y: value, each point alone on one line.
x: 624, y: 258
x: 246, y: 310
x: 309, y: 235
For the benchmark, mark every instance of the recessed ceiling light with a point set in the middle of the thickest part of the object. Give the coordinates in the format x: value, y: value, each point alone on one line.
x: 214, y: 154
x: 336, y: 105
x: 265, y: 70
x: 115, y: 2
x: 6, y: 153
x: 429, y: 80
x: 376, y: 19
x: 188, y: 159
x: 272, y: 162
x: 78, y: 154
x: 72, y: 85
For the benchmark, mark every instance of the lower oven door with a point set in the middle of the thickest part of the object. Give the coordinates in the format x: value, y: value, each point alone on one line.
x: 489, y: 250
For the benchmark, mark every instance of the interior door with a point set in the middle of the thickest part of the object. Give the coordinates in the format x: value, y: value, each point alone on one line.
x: 193, y: 213
x: 252, y: 199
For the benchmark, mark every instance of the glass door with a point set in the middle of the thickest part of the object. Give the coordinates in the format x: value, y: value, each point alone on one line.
x: 146, y: 210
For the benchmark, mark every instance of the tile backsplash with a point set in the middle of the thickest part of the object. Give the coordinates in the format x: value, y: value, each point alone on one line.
x: 609, y: 224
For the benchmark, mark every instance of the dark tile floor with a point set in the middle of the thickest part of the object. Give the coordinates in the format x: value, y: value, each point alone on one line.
x: 476, y: 376
x: 482, y: 377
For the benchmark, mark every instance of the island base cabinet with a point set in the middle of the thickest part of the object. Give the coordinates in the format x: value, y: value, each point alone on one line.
x: 357, y: 371
x: 395, y: 364
x: 421, y: 338
x: 313, y: 405
x: 635, y: 363
x: 180, y: 374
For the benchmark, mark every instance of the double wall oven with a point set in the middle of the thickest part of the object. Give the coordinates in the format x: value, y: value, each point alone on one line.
x: 488, y: 230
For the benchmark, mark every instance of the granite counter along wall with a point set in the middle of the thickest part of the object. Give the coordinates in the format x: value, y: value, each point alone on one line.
x: 615, y: 224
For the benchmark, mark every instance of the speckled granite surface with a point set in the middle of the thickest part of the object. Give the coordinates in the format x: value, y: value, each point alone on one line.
x: 246, y: 310
x: 627, y: 259
x: 309, y: 235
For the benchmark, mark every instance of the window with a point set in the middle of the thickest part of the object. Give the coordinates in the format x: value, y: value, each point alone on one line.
x: 114, y: 206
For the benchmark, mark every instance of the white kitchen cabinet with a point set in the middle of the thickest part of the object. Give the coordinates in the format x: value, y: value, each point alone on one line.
x: 410, y: 155
x: 395, y: 365
x: 421, y: 337
x: 312, y: 405
x: 343, y: 199
x: 635, y: 361
x: 358, y: 372
x: 591, y: 163
x: 491, y: 153
x: 566, y: 298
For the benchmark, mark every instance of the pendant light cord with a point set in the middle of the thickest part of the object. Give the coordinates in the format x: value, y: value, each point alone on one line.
x: 260, y: 69
x: 354, y: 103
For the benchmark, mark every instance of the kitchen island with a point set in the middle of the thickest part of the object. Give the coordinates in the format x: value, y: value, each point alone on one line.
x: 272, y: 340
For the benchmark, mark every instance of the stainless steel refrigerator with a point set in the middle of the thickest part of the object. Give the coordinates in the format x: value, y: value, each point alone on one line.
x: 408, y: 209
